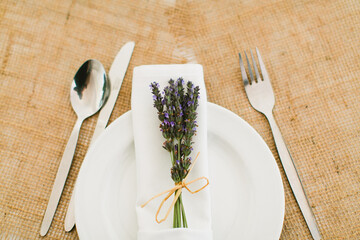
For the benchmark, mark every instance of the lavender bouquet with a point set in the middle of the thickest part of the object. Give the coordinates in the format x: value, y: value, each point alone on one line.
x: 176, y: 106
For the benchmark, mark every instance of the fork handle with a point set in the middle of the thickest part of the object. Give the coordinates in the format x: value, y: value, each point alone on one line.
x: 293, y: 178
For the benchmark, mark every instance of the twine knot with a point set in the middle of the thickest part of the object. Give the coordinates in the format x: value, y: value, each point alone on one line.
x: 178, y: 189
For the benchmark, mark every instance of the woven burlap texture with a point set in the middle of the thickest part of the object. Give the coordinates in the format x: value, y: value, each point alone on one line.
x: 310, y: 48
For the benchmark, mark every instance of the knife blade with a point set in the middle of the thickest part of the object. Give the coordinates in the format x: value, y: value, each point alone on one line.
x: 116, y: 77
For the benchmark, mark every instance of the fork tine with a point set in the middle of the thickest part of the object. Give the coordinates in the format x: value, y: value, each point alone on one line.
x: 243, y: 72
x: 262, y: 66
x: 250, y: 71
x: 255, y: 67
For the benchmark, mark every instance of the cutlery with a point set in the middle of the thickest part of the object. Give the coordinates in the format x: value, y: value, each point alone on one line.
x: 116, y: 76
x: 88, y: 93
x: 262, y: 99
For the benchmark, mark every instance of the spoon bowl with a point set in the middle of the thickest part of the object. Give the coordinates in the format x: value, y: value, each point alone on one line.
x: 89, y: 89
x: 88, y: 93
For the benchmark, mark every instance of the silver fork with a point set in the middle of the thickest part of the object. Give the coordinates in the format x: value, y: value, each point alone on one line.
x: 262, y: 99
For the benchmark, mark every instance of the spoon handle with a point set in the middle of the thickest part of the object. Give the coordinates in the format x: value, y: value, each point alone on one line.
x: 60, y: 179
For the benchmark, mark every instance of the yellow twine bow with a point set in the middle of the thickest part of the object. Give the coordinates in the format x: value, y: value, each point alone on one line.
x: 179, y: 187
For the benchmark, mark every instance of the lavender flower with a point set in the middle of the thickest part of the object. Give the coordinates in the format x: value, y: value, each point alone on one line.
x: 177, y: 113
x: 176, y: 106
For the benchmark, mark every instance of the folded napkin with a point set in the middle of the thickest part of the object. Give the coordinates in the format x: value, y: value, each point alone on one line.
x: 153, y: 162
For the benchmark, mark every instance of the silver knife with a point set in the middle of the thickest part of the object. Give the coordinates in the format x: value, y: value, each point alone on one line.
x: 116, y: 77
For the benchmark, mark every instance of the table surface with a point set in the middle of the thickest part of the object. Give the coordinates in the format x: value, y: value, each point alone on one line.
x: 311, y: 50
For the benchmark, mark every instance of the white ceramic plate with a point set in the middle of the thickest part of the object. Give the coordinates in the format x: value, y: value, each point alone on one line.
x: 246, y: 187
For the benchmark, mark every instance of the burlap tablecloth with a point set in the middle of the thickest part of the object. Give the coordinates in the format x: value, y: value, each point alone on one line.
x: 311, y: 50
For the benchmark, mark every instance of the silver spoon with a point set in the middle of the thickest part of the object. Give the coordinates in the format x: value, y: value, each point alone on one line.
x: 89, y: 91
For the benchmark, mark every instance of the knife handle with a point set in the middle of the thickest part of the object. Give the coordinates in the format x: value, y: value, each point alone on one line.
x: 100, y: 126
x: 70, y: 214
x: 293, y: 178
x: 60, y: 179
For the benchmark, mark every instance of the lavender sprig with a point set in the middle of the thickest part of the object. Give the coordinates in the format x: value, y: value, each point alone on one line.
x: 176, y: 107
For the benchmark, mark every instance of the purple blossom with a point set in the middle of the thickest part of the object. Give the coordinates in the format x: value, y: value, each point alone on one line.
x: 179, y: 81
x: 154, y: 84
x: 176, y: 105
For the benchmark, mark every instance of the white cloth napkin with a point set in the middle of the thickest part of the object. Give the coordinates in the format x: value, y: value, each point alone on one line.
x: 153, y: 162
